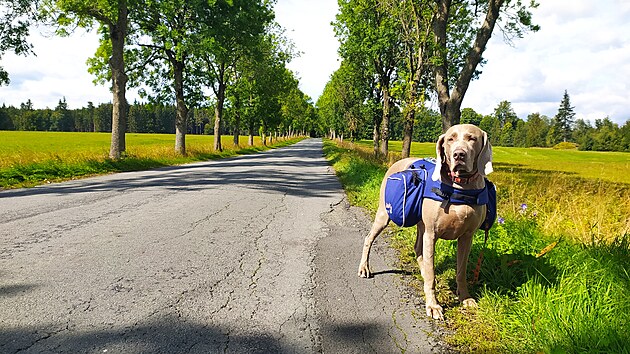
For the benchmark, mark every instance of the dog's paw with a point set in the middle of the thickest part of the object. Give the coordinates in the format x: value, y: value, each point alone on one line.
x: 469, y: 302
x: 364, y: 271
x: 435, y: 312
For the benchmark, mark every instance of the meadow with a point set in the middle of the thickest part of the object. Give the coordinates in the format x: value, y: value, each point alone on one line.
x: 32, y: 158
x: 554, y: 277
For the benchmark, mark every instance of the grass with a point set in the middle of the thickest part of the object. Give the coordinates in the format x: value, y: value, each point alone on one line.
x: 554, y: 278
x: 582, y: 194
x: 606, y: 166
x: 31, y: 158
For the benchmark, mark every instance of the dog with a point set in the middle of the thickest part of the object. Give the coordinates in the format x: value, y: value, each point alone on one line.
x: 464, y: 159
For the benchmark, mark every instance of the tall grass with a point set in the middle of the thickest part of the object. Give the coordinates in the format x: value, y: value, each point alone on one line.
x: 31, y: 158
x: 581, y: 194
x: 555, y: 274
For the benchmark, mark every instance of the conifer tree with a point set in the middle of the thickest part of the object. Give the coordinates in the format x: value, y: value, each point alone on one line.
x: 565, y: 118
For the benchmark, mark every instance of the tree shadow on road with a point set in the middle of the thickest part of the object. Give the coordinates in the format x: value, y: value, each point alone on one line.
x: 273, y: 171
x: 166, y: 335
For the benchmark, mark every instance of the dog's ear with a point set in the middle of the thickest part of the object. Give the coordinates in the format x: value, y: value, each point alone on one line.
x: 441, y: 158
x: 484, y: 161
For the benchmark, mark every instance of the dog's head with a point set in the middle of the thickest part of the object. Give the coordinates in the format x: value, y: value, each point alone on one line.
x: 463, y: 150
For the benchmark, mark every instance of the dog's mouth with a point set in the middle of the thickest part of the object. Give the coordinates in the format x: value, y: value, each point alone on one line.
x: 459, y: 168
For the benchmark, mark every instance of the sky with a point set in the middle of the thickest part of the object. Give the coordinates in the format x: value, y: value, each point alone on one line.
x: 583, y: 47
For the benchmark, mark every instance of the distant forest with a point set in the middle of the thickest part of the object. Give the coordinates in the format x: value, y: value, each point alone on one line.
x: 142, y: 118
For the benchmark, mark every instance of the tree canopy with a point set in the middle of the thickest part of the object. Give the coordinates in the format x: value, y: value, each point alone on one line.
x: 416, y: 50
x: 16, y: 16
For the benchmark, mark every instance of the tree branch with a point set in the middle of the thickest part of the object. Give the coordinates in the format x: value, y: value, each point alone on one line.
x: 474, y: 55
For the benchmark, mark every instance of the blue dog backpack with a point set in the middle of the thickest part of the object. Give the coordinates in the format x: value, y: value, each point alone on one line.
x: 405, y: 190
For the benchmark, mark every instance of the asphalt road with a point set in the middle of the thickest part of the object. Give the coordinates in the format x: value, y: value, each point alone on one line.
x: 254, y: 254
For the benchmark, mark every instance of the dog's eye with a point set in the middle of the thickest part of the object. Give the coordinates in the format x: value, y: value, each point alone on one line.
x: 472, y: 138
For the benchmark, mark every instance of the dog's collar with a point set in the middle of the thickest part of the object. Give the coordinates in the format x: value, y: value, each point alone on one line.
x: 463, y: 180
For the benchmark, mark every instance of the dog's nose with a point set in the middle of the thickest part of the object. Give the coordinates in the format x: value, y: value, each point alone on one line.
x: 459, y: 155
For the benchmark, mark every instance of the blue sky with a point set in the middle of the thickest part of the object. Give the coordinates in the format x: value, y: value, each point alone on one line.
x: 583, y: 47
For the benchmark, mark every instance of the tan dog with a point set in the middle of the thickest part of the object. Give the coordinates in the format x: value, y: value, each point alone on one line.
x: 464, y: 158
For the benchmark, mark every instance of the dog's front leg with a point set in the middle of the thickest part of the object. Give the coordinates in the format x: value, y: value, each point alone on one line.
x: 464, y: 244
x: 434, y: 309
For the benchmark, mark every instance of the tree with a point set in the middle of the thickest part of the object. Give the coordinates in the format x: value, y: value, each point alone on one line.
x: 263, y: 83
x: 624, y: 131
x: 15, y: 18
x: 414, y: 18
x: 469, y: 116
x: 166, y: 31
x: 536, y: 130
x: 582, y: 134
x: 459, y: 45
x: 491, y: 125
x: 6, y: 123
x: 61, y: 119
x: 606, y: 136
x: 519, y: 134
x: 341, y: 101
x: 112, y: 16
x: 369, y: 38
x: 565, y: 118
x: 505, y: 113
x: 229, y: 31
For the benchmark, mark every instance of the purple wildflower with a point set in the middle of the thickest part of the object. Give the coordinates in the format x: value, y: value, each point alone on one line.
x: 523, y: 207
x: 501, y: 221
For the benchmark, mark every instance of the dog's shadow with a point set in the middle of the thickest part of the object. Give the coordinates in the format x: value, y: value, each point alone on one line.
x: 392, y: 271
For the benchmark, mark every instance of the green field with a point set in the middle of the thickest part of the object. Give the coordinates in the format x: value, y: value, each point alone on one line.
x: 571, y: 298
x: 608, y: 166
x: 31, y: 158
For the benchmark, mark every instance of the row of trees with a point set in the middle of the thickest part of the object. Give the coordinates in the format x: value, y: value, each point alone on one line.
x: 154, y: 118
x: 505, y: 128
x: 225, y: 55
x: 397, y: 54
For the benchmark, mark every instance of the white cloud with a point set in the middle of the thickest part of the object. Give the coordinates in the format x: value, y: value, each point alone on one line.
x: 57, y: 70
x: 582, y: 48
x: 308, y: 26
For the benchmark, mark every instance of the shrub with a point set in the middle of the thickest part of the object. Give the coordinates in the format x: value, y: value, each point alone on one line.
x: 565, y: 145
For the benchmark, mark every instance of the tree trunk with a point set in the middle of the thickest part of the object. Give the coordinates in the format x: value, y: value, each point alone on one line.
x: 250, y: 139
x: 410, y: 115
x: 376, y: 136
x: 237, y: 124
x: 450, y: 102
x: 218, y: 110
x: 408, y: 133
x: 118, y: 32
x: 385, y: 123
x: 182, y: 111
x: 218, y: 116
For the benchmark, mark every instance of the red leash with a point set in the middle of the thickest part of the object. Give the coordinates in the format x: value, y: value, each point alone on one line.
x: 479, y: 260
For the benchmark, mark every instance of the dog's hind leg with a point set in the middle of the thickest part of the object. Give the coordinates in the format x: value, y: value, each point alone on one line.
x: 380, y: 222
